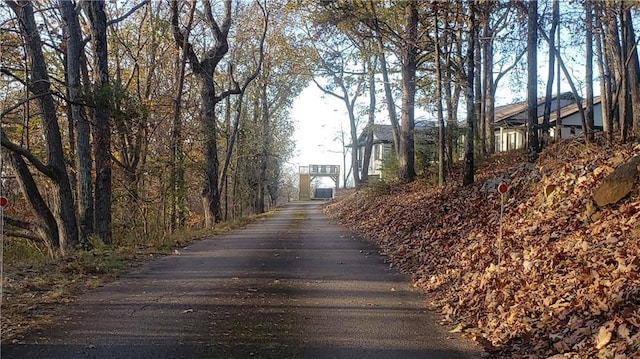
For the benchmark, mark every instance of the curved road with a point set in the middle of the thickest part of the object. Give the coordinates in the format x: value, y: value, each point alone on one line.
x: 292, y: 285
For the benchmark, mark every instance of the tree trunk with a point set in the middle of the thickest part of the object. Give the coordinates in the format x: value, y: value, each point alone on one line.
x: 481, y: 133
x: 353, y: 132
x: 605, y: 74
x: 589, y: 69
x: 550, y: 78
x: 468, y: 172
x: 368, y: 145
x: 488, y: 104
x: 406, y: 157
x: 532, y: 80
x: 614, y: 54
x: 74, y: 47
x: 46, y: 224
x: 176, y: 182
x: 210, y: 194
x: 265, y: 144
x: 388, y: 94
x: 440, y: 114
x: 204, y: 70
x: 452, y: 92
x: 102, y: 128
x: 63, y: 204
x: 632, y: 66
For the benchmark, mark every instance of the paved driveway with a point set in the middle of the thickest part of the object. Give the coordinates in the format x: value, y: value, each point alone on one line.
x: 293, y: 285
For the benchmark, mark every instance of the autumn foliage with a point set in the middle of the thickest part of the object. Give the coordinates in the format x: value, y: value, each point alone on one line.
x: 562, y: 282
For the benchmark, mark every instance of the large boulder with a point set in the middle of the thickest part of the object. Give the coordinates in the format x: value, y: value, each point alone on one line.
x: 618, y: 184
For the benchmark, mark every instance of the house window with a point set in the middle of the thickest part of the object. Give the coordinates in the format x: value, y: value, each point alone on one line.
x: 498, y: 142
x: 376, y: 152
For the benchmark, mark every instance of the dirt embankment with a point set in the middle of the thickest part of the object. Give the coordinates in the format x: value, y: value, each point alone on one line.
x: 561, y: 281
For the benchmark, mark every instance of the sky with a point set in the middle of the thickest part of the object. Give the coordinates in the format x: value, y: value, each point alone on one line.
x: 317, y: 118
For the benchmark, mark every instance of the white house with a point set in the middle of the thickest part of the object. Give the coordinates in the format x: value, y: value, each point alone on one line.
x: 382, y: 147
x: 511, y: 120
x: 425, y: 136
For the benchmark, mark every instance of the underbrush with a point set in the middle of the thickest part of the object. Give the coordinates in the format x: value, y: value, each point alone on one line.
x: 34, y: 284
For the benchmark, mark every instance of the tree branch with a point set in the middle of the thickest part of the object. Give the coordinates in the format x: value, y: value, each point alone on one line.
x: 6, y: 143
x: 183, y: 41
x: 8, y: 110
x: 128, y: 13
x: 22, y: 235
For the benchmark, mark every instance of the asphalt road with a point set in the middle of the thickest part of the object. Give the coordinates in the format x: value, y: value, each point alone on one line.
x: 293, y: 285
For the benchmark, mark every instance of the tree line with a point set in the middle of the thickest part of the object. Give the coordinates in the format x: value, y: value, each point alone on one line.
x: 443, y: 55
x: 125, y: 122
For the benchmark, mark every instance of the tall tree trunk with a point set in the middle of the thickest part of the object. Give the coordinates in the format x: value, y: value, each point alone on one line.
x: 388, y: 93
x: 481, y: 134
x: 63, y: 205
x: 102, y: 128
x: 556, y: 16
x: 452, y: 92
x: 550, y: 78
x: 368, y: 145
x: 532, y: 80
x: 265, y: 144
x: 633, y: 69
x: 624, y: 95
x: 614, y: 53
x: 468, y: 172
x: 210, y: 194
x: 605, y: 74
x: 488, y: 104
x: 74, y: 47
x: 353, y: 132
x: 204, y: 70
x: 440, y: 114
x: 589, y: 69
x: 406, y: 157
x: 176, y: 182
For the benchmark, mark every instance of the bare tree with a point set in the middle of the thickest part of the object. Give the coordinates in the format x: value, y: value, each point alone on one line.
x: 468, y: 172
x: 204, y: 67
x: 589, y: 69
x: 54, y: 168
x: 102, y: 128
x: 409, y: 67
x: 532, y: 80
x: 84, y: 163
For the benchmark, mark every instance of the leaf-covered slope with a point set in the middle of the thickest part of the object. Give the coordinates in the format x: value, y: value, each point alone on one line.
x: 559, y: 281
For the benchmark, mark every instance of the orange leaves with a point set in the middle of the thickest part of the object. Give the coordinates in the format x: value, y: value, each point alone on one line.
x: 565, y: 284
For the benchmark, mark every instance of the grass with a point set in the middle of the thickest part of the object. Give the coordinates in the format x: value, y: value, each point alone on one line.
x: 34, y: 284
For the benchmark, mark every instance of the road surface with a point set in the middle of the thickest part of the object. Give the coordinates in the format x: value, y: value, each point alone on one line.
x: 293, y: 285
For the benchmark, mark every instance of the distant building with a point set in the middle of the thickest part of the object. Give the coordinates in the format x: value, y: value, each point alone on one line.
x: 511, y: 120
x: 425, y: 137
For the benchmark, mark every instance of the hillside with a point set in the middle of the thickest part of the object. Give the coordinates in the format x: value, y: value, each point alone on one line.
x: 564, y: 278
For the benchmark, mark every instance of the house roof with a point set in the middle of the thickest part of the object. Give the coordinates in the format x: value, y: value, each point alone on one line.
x: 516, y: 114
x: 384, y: 133
x: 571, y: 109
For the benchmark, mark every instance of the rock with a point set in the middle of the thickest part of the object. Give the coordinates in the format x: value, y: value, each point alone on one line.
x: 618, y: 184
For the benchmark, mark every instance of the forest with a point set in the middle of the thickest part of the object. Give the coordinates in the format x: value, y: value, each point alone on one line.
x: 128, y: 121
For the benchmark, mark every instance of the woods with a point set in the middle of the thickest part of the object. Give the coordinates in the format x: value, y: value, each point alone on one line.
x: 109, y: 125
x: 115, y: 116
x: 127, y: 127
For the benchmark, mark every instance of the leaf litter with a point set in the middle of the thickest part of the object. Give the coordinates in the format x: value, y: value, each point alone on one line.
x: 567, y: 284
